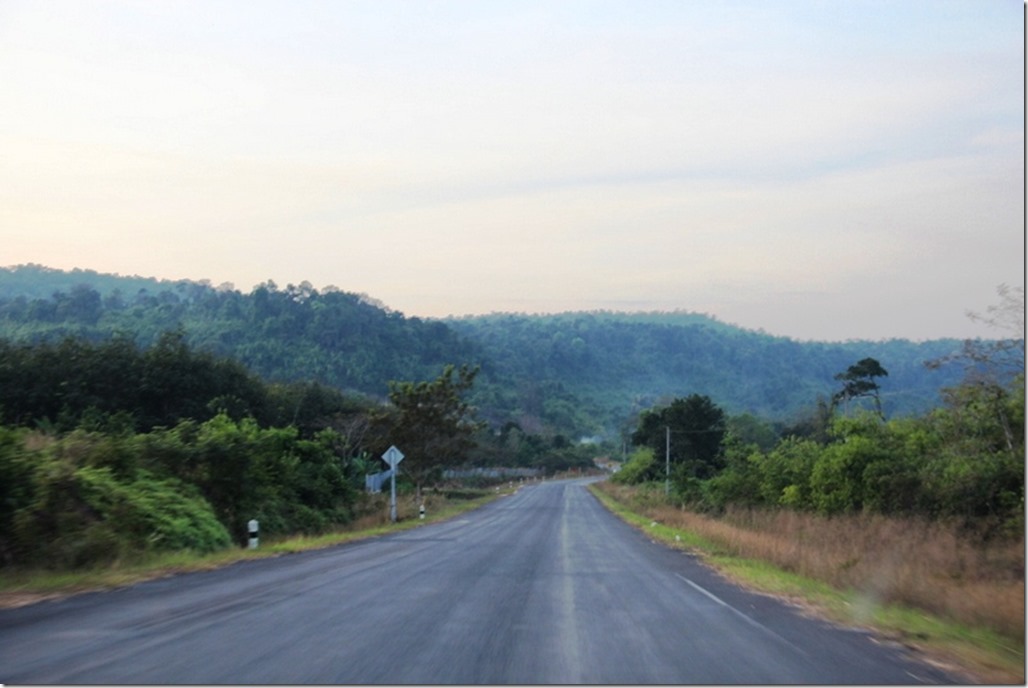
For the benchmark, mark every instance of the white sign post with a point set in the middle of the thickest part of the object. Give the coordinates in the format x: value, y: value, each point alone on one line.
x: 393, y: 457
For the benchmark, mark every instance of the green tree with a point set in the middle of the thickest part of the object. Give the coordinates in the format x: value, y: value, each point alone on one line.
x: 859, y: 381
x: 430, y: 422
x: 697, y: 430
x: 785, y: 472
x: 976, y: 469
x: 739, y: 481
x: 749, y: 429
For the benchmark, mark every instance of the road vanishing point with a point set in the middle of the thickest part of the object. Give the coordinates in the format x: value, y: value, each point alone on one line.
x: 544, y: 586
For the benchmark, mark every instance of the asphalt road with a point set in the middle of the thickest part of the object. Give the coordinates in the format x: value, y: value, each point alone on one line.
x: 541, y: 587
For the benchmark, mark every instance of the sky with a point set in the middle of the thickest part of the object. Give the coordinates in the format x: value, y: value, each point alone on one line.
x: 817, y: 170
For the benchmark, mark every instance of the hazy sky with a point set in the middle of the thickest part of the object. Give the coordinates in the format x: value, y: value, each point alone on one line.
x: 821, y: 170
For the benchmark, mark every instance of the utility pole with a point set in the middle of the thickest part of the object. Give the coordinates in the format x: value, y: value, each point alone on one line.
x: 667, y: 461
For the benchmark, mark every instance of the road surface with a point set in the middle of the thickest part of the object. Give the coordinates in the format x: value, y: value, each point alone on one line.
x: 541, y: 587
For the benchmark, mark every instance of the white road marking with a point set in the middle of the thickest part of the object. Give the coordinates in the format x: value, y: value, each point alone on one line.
x: 744, y: 617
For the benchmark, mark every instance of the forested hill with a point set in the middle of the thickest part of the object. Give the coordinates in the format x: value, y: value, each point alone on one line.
x: 297, y: 333
x: 40, y: 282
x: 621, y: 363
x: 576, y: 373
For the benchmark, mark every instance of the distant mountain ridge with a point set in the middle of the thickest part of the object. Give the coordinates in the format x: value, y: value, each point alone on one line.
x: 642, y: 361
x: 575, y: 373
x: 39, y: 281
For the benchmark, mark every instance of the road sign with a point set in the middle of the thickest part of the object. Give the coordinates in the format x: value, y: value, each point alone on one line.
x: 393, y: 456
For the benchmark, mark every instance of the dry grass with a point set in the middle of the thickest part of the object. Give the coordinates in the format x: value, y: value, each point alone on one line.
x: 372, y: 510
x: 925, y: 565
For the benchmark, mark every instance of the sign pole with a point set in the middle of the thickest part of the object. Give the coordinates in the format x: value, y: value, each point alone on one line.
x: 393, y: 457
x: 392, y: 496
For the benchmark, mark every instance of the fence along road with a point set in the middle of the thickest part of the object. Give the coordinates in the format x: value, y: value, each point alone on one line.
x: 540, y: 587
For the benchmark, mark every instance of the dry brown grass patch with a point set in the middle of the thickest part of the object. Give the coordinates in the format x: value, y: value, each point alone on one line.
x: 936, y: 567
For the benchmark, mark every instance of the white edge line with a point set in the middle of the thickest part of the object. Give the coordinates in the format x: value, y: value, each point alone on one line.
x: 708, y: 593
x: 739, y: 613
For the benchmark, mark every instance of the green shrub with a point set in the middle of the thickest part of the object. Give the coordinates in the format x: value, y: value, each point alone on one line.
x: 85, y: 516
x: 636, y: 468
x: 149, y: 513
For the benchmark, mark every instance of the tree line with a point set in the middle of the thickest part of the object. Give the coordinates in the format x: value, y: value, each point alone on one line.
x: 963, y: 460
x: 575, y: 374
x: 293, y: 333
x: 109, y: 449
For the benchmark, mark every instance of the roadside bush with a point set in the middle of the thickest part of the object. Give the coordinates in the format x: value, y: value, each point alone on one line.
x: 785, y: 473
x: 149, y: 513
x: 636, y: 468
x: 84, y: 516
x: 269, y: 474
x: 16, y: 471
x: 739, y: 483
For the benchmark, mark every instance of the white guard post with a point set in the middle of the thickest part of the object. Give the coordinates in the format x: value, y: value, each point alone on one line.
x: 252, y: 527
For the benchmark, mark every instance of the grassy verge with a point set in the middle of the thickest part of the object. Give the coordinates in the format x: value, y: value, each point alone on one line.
x: 25, y: 586
x: 983, y: 654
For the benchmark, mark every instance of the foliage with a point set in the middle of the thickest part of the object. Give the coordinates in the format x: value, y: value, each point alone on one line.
x: 296, y: 333
x: 245, y: 472
x: 88, y: 497
x: 71, y: 381
x: 736, y: 483
x: 637, y: 468
x: 513, y: 447
x: 859, y: 381
x: 69, y: 509
x: 963, y: 461
x: 747, y: 429
x: 559, y: 455
x: 576, y: 374
x: 430, y: 422
x: 697, y: 428
x: 162, y: 416
x: 617, y: 365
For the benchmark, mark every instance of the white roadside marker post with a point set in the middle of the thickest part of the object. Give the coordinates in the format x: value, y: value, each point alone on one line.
x: 253, y: 528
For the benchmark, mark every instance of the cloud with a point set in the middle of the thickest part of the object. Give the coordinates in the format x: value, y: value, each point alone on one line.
x: 776, y: 164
